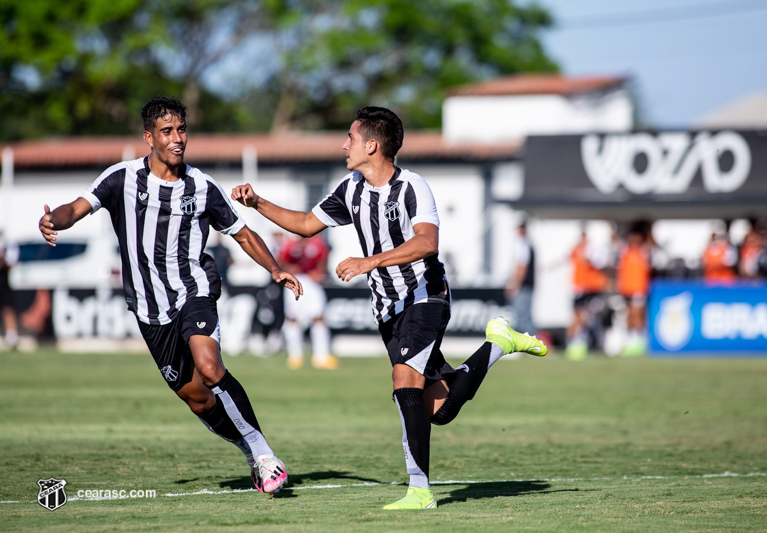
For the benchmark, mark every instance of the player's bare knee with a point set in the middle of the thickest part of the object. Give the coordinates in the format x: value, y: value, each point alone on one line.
x: 211, y: 372
x: 199, y: 398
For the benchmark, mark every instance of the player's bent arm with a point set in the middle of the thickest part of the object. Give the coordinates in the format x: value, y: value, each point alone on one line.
x: 424, y: 243
x: 298, y: 222
x: 63, y: 217
x: 254, y: 246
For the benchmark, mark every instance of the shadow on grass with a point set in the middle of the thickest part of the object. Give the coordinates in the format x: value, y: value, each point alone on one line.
x: 494, y: 489
x: 296, y: 480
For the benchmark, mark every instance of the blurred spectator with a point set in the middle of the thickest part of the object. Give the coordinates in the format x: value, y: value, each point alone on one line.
x: 752, y: 247
x: 223, y: 258
x: 633, y: 283
x: 307, y: 260
x: 9, y: 256
x: 519, y: 289
x: 719, y: 259
x: 589, y: 284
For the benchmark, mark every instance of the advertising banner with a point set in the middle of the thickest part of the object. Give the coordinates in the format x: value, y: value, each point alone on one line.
x: 694, y: 318
x: 101, y: 314
x: 715, y: 170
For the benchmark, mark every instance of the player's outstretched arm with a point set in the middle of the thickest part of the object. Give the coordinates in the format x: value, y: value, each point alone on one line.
x: 61, y: 218
x: 254, y: 246
x: 298, y: 222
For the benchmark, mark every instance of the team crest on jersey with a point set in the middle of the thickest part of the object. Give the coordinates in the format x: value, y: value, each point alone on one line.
x: 168, y: 373
x: 188, y: 205
x: 51, y: 494
x: 143, y: 196
x: 391, y: 210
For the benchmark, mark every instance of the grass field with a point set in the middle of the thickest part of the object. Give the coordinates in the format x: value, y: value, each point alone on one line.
x: 547, y: 445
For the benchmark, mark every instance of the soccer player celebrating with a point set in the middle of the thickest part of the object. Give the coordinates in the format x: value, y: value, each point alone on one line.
x: 396, y: 220
x: 161, y: 211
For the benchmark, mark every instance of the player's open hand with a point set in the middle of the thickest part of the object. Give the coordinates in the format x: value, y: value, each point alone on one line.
x: 245, y: 195
x: 288, y: 281
x: 46, y: 227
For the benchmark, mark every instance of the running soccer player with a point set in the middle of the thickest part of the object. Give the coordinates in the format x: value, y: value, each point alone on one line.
x: 161, y: 211
x: 396, y: 220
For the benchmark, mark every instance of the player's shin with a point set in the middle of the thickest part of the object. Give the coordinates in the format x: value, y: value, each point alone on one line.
x: 217, y: 421
x: 416, y: 434
x: 468, y: 378
x: 239, y: 411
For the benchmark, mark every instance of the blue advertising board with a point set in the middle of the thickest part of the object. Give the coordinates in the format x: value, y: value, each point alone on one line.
x: 688, y: 318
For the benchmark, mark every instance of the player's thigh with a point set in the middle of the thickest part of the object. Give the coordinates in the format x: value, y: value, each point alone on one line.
x: 170, y: 353
x: 416, y: 337
x: 201, y: 331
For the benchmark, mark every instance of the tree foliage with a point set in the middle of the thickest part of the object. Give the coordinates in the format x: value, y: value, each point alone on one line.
x: 86, y: 66
x: 402, y: 54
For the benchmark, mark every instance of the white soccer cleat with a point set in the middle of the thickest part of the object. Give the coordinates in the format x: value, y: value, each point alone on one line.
x: 268, y: 474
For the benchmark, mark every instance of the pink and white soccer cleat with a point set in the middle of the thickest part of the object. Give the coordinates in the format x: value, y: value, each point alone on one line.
x: 268, y: 474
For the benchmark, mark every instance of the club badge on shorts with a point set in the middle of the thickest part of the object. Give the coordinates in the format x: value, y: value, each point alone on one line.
x: 51, y: 495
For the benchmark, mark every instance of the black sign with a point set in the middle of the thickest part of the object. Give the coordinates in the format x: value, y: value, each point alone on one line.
x: 661, y: 169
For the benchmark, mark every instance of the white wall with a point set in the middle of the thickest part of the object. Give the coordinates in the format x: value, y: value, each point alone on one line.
x: 501, y: 118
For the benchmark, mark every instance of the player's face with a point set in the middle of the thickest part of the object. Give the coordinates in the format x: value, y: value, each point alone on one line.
x: 354, y: 148
x: 168, y: 140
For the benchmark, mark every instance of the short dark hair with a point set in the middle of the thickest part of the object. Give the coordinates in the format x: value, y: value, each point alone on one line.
x: 160, y: 106
x: 382, y: 125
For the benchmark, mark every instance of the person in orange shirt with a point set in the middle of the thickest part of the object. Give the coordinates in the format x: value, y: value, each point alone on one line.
x: 589, y: 282
x: 719, y: 259
x: 633, y: 283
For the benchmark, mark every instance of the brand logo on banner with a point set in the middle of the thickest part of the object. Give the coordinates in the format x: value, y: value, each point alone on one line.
x: 674, y: 323
x: 671, y: 161
x: 51, y: 494
x: 720, y: 320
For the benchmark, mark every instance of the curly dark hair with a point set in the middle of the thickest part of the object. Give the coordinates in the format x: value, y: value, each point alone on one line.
x: 160, y: 106
x: 382, y: 125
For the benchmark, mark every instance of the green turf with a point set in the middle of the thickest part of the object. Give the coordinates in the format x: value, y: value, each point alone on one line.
x: 547, y: 445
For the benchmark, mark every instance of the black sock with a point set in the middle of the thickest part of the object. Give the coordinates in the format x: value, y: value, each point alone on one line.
x: 240, y: 412
x: 417, y: 431
x: 464, y: 386
x: 219, y: 423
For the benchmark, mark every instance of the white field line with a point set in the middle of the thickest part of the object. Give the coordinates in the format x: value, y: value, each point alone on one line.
x: 447, y: 482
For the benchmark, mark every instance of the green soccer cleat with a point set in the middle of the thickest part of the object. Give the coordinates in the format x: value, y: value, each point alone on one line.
x: 499, y: 332
x: 415, y: 499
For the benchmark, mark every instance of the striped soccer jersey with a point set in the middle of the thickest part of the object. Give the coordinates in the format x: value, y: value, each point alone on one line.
x: 384, y: 218
x: 161, y: 229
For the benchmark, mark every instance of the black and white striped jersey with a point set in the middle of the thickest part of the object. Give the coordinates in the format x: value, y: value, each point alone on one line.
x: 162, y: 228
x: 384, y: 218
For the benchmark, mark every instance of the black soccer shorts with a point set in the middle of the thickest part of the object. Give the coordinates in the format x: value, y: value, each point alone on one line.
x: 414, y: 338
x: 169, y: 343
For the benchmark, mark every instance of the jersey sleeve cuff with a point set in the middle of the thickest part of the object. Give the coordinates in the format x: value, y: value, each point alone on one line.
x: 234, y: 228
x: 426, y: 218
x: 93, y: 200
x: 323, y: 217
